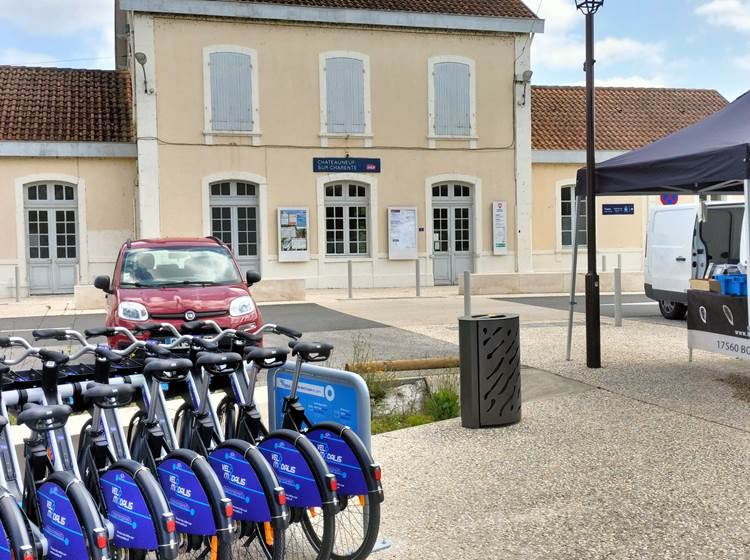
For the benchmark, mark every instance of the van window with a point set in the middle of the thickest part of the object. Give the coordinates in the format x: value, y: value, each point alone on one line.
x: 178, y: 266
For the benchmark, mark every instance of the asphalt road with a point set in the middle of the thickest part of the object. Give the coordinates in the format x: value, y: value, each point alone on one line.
x: 633, y: 305
x: 306, y: 317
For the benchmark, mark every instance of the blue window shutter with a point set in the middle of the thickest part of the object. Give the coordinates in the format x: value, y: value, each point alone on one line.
x: 452, y: 110
x: 231, y: 92
x: 345, y: 95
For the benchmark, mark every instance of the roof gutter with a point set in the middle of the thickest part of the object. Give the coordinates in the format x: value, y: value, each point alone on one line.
x: 253, y: 10
x: 24, y: 148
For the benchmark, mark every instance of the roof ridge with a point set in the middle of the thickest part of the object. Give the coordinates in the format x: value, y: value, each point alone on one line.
x: 626, y: 88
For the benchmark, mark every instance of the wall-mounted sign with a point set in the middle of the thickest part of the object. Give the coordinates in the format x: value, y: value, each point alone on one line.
x: 293, y: 230
x: 346, y: 165
x: 402, y: 233
x: 618, y: 209
x: 499, y: 227
x: 669, y: 199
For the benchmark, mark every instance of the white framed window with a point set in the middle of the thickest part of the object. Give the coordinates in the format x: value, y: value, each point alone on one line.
x: 566, y: 209
x: 230, y: 91
x: 345, y: 96
x: 451, y: 99
x: 347, y: 210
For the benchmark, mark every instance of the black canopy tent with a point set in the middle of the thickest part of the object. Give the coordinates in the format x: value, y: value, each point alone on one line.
x: 710, y: 156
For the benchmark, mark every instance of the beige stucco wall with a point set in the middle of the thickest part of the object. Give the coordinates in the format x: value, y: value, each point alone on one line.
x: 623, y: 235
x: 288, y: 70
x: 109, y: 187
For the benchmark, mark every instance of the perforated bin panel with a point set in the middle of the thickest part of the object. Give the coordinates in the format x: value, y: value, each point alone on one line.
x: 490, y: 370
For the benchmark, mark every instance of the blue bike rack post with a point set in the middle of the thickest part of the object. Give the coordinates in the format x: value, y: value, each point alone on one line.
x: 327, y: 394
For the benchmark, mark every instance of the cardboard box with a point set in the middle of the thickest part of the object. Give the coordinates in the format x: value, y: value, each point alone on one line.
x: 705, y: 285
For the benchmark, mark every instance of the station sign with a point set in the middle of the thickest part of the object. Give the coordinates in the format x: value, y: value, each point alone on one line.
x: 618, y: 209
x: 346, y: 165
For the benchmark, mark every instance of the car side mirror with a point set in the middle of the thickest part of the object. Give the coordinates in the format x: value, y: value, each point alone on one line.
x: 253, y: 277
x: 102, y: 283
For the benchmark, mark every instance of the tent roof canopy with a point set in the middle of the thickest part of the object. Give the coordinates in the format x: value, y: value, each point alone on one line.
x: 710, y: 156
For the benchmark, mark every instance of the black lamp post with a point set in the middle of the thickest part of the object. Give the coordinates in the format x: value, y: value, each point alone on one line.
x: 593, y: 325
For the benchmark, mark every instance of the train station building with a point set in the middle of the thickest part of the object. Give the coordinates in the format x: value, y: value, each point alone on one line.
x: 308, y: 134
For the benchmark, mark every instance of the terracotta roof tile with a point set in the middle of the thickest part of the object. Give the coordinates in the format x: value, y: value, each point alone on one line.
x: 626, y: 118
x: 66, y: 105
x: 490, y: 8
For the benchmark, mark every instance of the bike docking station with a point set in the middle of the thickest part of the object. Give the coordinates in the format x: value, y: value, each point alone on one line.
x: 328, y: 394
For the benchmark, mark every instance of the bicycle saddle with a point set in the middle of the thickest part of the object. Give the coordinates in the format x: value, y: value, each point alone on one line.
x: 109, y: 396
x: 311, y: 351
x: 168, y: 370
x: 53, y: 356
x: 266, y: 358
x: 248, y: 337
x: 151, y: 328
x: 206, y: 344
x: 100, y: 331
x: 157, y: 351
x: 49, y: 334
x: 44, y: 418
x: 219, y: 363
x: 107, y: 354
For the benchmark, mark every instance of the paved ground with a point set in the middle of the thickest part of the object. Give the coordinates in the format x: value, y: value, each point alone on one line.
x: 644, y: 458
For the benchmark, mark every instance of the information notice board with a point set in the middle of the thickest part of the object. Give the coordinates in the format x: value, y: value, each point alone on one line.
x: 293, y: 239
x: 402, y: 233
x: 499, y: 227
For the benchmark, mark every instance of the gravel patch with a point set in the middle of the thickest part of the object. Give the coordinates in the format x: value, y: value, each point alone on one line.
x: 592, y: 475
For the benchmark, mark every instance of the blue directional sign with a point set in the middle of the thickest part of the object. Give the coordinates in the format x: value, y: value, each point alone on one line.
x: 346, y: 165
x: 618, y: 209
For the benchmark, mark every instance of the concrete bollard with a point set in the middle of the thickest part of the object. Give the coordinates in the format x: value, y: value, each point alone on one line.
x: 467, y: 293
x: 618, y: 297
x: 349, y: 277
x: 419, y: 280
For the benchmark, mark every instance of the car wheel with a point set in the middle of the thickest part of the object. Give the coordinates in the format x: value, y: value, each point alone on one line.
x: 673, y: 310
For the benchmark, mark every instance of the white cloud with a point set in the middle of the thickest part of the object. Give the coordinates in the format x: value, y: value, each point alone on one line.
x: 561, y: 46
x: 20, y: 57
x: 734, y: 14
x: 612, y: 50
x: 742, y: 62
x: 631, y: 81
x: 52, y: 17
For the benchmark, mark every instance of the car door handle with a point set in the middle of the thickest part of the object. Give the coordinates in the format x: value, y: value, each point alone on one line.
x: 680, y: 259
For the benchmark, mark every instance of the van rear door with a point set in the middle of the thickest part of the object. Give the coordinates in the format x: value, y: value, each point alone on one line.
x: 669, y: 261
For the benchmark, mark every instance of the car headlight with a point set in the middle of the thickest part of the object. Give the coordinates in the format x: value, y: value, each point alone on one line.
x: 132, y: 311
x: 241, y: 306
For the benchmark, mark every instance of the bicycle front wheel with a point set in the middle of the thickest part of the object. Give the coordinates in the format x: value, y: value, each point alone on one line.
x: 357, y: 527
x: 259, y: 541
x: 311, y: 534
x: 196, y: 547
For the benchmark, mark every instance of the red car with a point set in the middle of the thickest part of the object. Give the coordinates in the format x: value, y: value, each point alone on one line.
x: 178, y: 280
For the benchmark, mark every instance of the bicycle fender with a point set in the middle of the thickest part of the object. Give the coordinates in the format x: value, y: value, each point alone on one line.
x: 194, y: 493
x: 250, y: 482
x: 348, y: 458
x: 302, y: 472
x: 14, y: 533
x: 70, y: 518
x: 138, y: 509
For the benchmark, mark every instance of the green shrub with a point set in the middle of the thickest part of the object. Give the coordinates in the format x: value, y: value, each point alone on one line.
x: 444, y: 402
x: 391, y: 422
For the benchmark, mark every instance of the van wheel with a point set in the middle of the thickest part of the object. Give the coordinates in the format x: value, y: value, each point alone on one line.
x: 673, y: 310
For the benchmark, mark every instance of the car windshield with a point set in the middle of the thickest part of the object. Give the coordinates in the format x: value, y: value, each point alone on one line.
x: 178, y: 266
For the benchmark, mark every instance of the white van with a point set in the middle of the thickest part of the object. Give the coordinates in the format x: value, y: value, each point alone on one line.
x: 679, y: 246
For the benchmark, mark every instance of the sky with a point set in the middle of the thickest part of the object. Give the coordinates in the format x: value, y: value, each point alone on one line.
x: 665, y: 43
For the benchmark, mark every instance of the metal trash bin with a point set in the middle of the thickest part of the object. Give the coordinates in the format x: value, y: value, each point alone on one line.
x: 490, y: 353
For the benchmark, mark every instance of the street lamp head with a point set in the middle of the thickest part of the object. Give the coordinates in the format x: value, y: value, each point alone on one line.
x: 589, y: 6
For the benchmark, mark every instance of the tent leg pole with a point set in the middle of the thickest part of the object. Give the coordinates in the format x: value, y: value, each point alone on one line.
x: 573, y: 274
x: 747, y: 240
